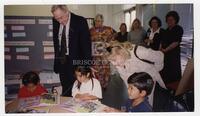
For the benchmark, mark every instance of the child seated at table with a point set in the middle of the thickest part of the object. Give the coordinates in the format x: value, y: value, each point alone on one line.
x: 139, y: 87
x: 86, y: 87
x: 31, y: 86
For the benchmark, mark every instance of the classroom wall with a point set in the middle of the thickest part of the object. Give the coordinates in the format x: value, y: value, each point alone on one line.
x: 113, y: 14
x: 118, y: 14
x: 145, y: 12
x: 45, y: 10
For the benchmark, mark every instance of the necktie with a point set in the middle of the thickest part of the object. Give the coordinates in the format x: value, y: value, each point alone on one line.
x: 63, y: 46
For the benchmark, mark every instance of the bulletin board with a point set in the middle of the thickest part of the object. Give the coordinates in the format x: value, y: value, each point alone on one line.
x: 28, y: 44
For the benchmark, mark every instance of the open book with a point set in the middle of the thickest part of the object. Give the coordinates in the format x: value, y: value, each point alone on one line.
x: 74, y: 105
x: 48, y: 99
x: 28, y: 102
x: 43, y: 100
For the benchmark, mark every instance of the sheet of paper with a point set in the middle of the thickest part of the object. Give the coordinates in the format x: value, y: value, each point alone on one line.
x: 50, y: 27
x: 7, y: 49
x: 47, y: 43
x: 7, y: 57
x: 19, y: 34
x: 50, y: 34
x: 22, y: 50
x: 48, y: 49
x: 12, y: 76
x: 22, y: 57
x: 45, y: 21
x: 17, y: 28
x: 19, y: 21
x: 48, y: 56
x: 19, y: 43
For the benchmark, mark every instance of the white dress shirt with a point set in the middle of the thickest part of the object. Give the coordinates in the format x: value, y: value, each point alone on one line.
x: 66, y: 34
x: 151, y: 36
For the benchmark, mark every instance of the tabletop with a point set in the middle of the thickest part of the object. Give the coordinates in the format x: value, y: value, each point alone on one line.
x: 54, y: 108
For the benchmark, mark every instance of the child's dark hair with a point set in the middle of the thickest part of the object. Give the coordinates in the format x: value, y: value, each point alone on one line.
x: 30, y: 77
x: 142, y: 81
x: 84, y: 70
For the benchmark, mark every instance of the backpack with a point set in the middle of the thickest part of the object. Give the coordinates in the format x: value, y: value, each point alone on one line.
x: 165, y: 101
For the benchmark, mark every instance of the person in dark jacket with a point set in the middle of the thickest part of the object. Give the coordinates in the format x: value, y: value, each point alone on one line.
x: 170, y: 46
x: 72, y: 43
x: 122, y: 35
x: 154, y: 34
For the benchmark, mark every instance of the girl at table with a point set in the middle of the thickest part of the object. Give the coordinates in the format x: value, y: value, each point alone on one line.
x: 31, y: 86
x: 86, y: 87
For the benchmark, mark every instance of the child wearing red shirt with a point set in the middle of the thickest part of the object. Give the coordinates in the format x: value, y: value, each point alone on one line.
x: 32, y: 87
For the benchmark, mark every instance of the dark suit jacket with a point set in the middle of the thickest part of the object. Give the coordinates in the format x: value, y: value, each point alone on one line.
x: 79, y: 44
x: 156, y: 39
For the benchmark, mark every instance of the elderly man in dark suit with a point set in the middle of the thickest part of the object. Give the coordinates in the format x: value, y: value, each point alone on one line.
x: 72, y: 42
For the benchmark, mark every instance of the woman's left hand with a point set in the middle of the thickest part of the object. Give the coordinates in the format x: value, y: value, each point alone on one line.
x: 163, y: 50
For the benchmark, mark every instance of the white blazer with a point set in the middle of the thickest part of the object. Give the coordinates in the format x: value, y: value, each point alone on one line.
x: 134, y: 64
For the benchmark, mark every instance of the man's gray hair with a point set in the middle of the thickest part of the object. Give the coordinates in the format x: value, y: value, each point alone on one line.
x: 62, y: 7
x: 99, y: 16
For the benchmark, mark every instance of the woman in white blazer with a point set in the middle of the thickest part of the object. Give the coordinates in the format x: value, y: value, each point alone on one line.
x: 127, y: 62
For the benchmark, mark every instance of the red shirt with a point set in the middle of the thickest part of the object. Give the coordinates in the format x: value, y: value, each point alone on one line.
x: 23, y: 92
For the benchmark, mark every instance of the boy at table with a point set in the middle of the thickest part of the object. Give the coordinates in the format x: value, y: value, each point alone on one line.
x: 139, y: 87
x: 31, y: 86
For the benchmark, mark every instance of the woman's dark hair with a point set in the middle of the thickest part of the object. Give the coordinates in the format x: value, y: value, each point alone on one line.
x: 123, y: 24
x: 84, y: 70
x: 142, y: 81
x: 173, y: 14
x: 30, y: 77
x: 157, y: 19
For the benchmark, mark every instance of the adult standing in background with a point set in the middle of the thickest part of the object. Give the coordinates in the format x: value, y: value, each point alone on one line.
x: 154, y: 34
x: 72, y: 41
x: 101, y: 35
x: 170, y: 46
x: 122, y: 35
x: 137, y: 33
